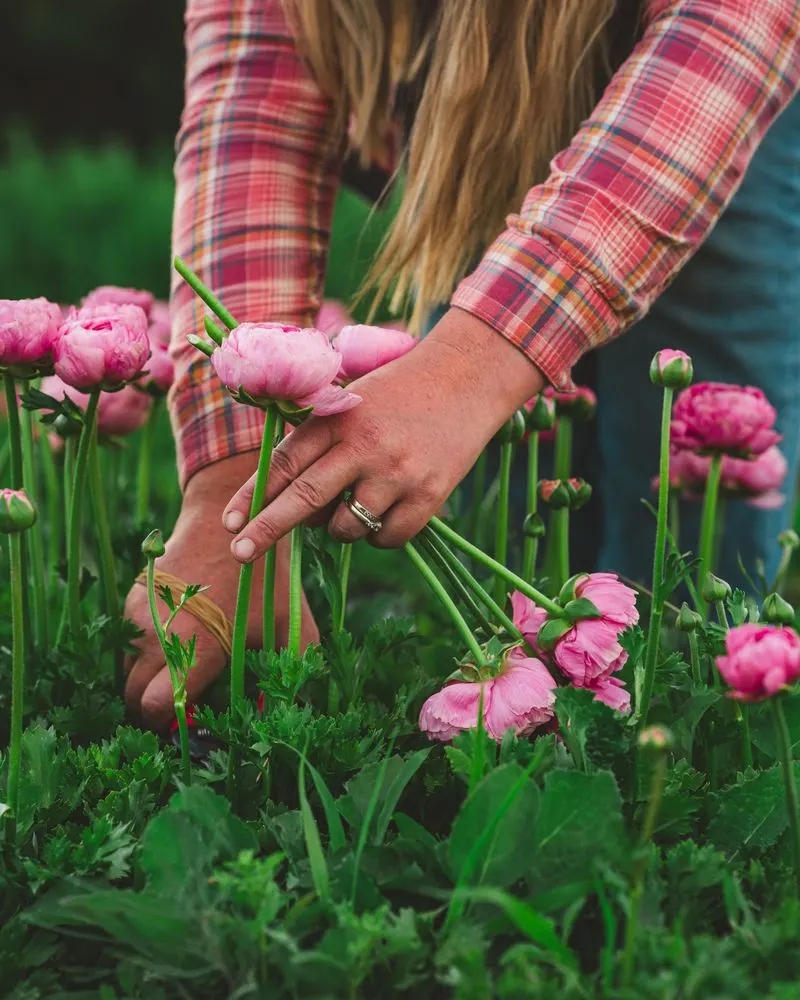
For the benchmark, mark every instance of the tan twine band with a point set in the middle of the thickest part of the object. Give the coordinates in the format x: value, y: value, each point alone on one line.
x: 200, y: 607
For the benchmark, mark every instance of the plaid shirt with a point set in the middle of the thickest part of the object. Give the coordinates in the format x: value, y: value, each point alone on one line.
x: 624, y: 208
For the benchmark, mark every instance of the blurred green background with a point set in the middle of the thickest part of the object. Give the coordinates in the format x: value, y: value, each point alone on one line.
x: 90, y: 104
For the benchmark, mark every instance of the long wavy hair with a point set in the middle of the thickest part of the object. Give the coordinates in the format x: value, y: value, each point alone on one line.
x: 501, y: 86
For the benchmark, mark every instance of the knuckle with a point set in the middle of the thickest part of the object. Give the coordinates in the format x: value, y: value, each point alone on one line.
x: 309, y: 493
x: 343, y: 529
x: 282, y: 465
x: 263, y: 531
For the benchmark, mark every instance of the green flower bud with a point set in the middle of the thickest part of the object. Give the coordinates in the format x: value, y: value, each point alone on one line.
x: 541, y: 413
x: 153, y: 545
x: 789, y: 539
x: 777, y: 611
x: 688, y: 620
x: 580, y: 493
x: 17, y: 513
x: 555, y: 493
x: 533, y: 526
x: 656, y: 738
x: 715, y: 589
x: 513, y: 430
x: 672, y: 369
x: 65, y: 427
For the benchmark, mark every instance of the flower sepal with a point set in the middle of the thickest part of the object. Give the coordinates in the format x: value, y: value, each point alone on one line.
x: 569, y: 591
x: 580, y: 610
x: 552, y: 630
x: 294, y: 415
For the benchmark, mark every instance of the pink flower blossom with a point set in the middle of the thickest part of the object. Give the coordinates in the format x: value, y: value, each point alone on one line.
x: 118, y: 413
x: 27, y: 330
x: 364, y: 348
x: 527, y: 616
x: 715, y: 417
x: 761, y: 660
x: 159, y: 371
x: 160, y: 330
x: 612, y: 692
x: 112, y: 295
x: 101, y: 347
x: 332, y: 317
x: 273, y: 362
x: 757, y: 480
x: 520, y: 697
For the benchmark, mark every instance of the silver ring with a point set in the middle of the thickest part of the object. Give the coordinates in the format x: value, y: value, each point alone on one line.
x: 366, y: 517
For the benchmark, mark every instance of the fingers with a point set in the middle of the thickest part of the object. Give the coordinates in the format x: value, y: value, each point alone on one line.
x: 376, y: 496
x: 144, y: 669
x: 310, y: 492
x: 291, y: 458
x: 157, y: 706
x: 405, y: 520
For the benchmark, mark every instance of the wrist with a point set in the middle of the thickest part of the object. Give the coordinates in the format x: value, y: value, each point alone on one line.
x: 214, y: 484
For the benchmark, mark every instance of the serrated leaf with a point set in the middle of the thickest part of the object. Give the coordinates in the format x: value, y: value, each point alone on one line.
x: 750, y: 815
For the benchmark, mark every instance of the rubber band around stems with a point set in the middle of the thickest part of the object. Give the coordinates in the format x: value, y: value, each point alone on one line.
x: 200, y: 607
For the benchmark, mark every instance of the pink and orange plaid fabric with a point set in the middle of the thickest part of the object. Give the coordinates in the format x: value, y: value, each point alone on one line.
x: 624, y: 208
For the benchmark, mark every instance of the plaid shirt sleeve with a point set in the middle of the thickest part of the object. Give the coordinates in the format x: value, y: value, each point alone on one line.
x: 257, y: 168
x: 642, y: 183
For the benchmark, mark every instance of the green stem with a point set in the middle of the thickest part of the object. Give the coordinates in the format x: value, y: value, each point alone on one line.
x: 657, y: 603
x: 501, y: 522
x: 560, y: 535
x: 789, y: 782
x: 694, y: 654
x: 17, y: 682
x: 345, y: 556
x: 531, y: 544
x: 5, y: 458
x: 68, y: 474
x: 295, y: 589
x: 427, y: 543
x: 562, y: 465
x: 447, y: 603
x: 708, y: 526
x: 270, y: 566
x: 54, y: 509
x: 14, y: 432
x: 183, y: 734
x: 242, y: 613
x: 144, y: 466
x: 33, y: 538
x: 478, y: 491
x: 105, y: 546
x: 73, y: 601
x: 640, y: 868
x: 446, y: 532
x: 783, y: 566
x: 721, y: 615
x: 205, y: 293
x: 675, y: 518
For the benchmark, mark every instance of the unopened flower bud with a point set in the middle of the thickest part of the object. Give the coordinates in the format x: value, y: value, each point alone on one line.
x: 672, y: 369
x: 540, y: 413
x: 533, y: 526
x: 656, y: 738
x: 153, y: 545
x: 688, y: 620
x: 715, y: 589
x: 789, y: 539
x: 513, y: 430
x: 776, y: 610
x: 17, y: 513
x: 579, y: 405
x: 580, y: 493
x: 66, y: 427
x: 555, y: 493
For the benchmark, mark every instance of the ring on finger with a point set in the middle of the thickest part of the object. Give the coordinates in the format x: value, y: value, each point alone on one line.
x: 365, y: 516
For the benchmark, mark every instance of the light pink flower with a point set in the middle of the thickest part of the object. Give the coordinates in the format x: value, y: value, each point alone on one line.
x: 113, y: 295
x: 101, y: 347
x: 612, y: 692
x: 332, y: 317
x: 520, y: 697
x: 527, y: 616
x: 118, y: 413
x: 159, y: 371
x: 160, y: 329
x: 273, y: 362
x: 364, y: 348
x: 757, y: 480
x: 717, y: 417
x: 27, y: 330
x: 761, y: 660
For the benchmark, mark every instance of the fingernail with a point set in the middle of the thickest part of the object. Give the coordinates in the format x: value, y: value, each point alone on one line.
x: 234, y: 520
x: 244, y: 549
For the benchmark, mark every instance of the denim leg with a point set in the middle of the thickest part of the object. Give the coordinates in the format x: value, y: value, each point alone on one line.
x: 735, y: 309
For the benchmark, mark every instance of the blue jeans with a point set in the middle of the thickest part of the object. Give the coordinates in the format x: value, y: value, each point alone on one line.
x: 735, y: 308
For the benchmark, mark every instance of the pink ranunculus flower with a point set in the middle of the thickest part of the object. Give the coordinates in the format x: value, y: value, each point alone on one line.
x: 520, y: 697
x: 160, y: 329
x: 101, y: 347
x: 113, y: 295
x: 270, y: 362
x: 333, y: 317
x: 28, y: 328
x: 159, y: 371
x: 714, y: 417
x: 364, y: 348
x: 757, y: 480
x: 760, y: 660
x: 118, y: 413
x: 527, y: 616
x: 612, y: 692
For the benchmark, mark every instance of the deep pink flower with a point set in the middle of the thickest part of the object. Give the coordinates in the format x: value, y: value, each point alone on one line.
x: 364, y: 348
x: 112, y: 295
x: 101, y: 346
x: 757, y: 480
x: 716, y: 417
x: 520, y: 697
x: 27, y: 330
x: 118, y: 413
x: 273, y: 362
x: 760, y: 661
x: 333, y: 317
x: 612, y: 692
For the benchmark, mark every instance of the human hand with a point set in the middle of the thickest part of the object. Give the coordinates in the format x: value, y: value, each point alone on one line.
x: 423, y: 421
x: 199, y: 552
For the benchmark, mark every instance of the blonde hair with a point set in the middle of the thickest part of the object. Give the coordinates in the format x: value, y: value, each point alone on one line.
x: 504, y: 86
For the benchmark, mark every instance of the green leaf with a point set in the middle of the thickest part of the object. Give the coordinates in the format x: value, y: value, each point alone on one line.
x: 580, y: 827
x: 762, y: 727
x: 750, y: 815
x: 577, y: 712
x: 395, y: 789
x: 316, y: 855
x: 490, y: 841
